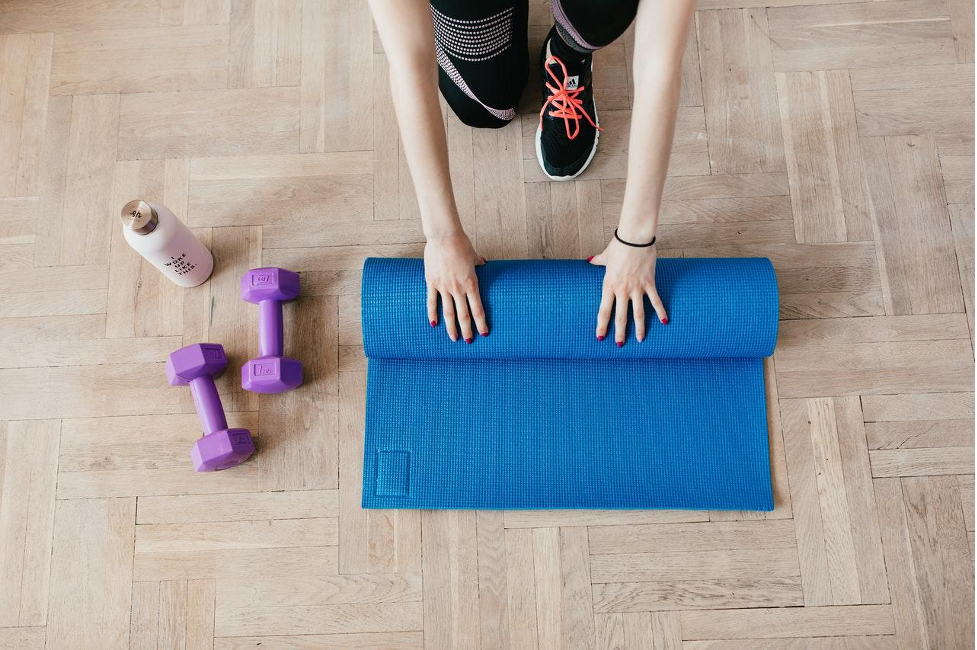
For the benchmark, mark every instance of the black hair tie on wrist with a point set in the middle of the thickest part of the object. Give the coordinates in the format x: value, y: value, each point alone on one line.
x: 627, y: 243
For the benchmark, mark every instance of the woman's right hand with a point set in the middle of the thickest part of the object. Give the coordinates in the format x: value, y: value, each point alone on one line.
x: 449, y: 270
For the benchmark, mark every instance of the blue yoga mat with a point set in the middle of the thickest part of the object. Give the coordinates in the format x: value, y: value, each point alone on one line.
x: 540, y: 414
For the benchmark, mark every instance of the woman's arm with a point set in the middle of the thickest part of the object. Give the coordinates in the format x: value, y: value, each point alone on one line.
x: 449, y: 258
x: 661, y: 31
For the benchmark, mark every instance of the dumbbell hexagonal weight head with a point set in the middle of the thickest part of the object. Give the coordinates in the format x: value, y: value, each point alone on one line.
x: 196, y: 366
x: 271, y: 372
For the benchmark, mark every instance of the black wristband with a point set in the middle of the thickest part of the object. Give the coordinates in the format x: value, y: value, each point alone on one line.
x: 627, y: 243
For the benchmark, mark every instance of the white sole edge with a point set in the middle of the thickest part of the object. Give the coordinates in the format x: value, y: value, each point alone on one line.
x: 539, y: 152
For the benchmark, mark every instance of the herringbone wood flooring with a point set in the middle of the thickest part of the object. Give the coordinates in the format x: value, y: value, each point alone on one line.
x: 835, y: 138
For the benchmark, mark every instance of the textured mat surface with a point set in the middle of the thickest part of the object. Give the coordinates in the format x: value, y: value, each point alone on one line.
x: 539, y: 414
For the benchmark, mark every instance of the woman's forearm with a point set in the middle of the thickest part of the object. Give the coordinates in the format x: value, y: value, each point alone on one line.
x: 426, y: 148
x: 661, y: 31
x: 408, y: 38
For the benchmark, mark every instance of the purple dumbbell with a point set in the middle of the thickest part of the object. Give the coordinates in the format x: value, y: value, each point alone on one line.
x: 196, y: 366
x: 271, y: 372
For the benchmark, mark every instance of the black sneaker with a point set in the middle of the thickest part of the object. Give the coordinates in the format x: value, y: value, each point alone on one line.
x: 566, y: 138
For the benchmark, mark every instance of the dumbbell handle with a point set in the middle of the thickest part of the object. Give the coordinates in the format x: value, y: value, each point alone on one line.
x: 271, y: 338
x: 208, y: 403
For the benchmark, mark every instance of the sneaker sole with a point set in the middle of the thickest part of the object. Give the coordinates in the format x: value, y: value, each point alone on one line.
x: 539, y: 152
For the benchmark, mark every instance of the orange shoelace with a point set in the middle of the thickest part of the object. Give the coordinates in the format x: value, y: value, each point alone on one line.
x: 564, y: 101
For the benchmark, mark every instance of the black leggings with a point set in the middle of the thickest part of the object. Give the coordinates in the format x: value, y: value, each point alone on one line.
x: 482, y: 49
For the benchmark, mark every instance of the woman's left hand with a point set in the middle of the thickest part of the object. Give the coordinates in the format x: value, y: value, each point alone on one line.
x: 629, y: 277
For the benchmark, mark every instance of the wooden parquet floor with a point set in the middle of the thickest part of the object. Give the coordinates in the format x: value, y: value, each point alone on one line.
x: 835, y: 138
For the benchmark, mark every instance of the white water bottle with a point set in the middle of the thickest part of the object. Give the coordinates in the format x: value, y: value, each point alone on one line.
x: 154, y: 232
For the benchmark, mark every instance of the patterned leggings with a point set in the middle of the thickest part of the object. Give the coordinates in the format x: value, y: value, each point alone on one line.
x: 482, y: 49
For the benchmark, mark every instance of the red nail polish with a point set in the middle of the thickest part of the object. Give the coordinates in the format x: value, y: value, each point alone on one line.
x: 591, y: 257
x: 664, y: 321
x: 601, y: 337
x: 484, y: 333
x: 469, y: 340
x: 434, y: 323
x: 620, y: 344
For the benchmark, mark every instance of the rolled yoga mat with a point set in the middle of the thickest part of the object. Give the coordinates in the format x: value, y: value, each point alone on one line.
x: 540, y: 414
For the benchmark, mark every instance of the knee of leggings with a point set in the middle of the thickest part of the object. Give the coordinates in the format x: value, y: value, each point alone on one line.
x: 479, y: 118
x: 596, y: 23
x: 471, y: 112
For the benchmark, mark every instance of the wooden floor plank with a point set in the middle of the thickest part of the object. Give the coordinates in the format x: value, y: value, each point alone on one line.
x: 854, y: 35
x: 917, y: 274
x: 870, y: 356
x: 88, y: 391
x: 22, y: 638
x: 18, y: 220
x: 520, y: 576
x: 937, y: 461
x: 549, y: 587
x: 91, y: 536
x: 500, y: 216
x: 962, y: 21
x: 281, y: 189
x: 926, y: 543
x: 668, y: 566
x: 344, y: 641
x: 577, y: 596
x: 265, y: 43
x: 24, y: 77
x: 299, y: 504
x: 718, y: 593
x: 824, y: 160
x: 194, y: 12
x: 232, y: 535
x: 149, y: 59
x: 493, y: 589
x: 692, y: 538
x: 788, y: 622
x: 336, y: 77
x: 52, y: 176
x: 347, y: 618
x: 90, y: 170
x: 315, y: 586
x: 208, y: 123
x: 52, y: 15
x: 257, y: 564
x: 28, y: 477
x: 962, y: 225
x: 872, y: 642
x: 450, y: 579
x: 739, y: 92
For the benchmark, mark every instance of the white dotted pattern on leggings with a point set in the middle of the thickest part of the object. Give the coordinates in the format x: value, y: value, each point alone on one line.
x: 472, y: 40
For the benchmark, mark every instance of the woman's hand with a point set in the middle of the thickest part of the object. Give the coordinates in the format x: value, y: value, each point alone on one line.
x: 629, y: 277
x: 449, y: 269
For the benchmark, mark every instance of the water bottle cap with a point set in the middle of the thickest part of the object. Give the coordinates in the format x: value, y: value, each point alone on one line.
x: 139, y: 217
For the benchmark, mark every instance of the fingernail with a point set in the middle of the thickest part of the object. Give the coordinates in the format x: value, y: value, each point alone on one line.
x: 601, y: 337
x: 664, y: 321
x: 620, y: 344
x: 591, y: 257
x: 469, y: 340
x: 434, y: 323
x: 484, y: 333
